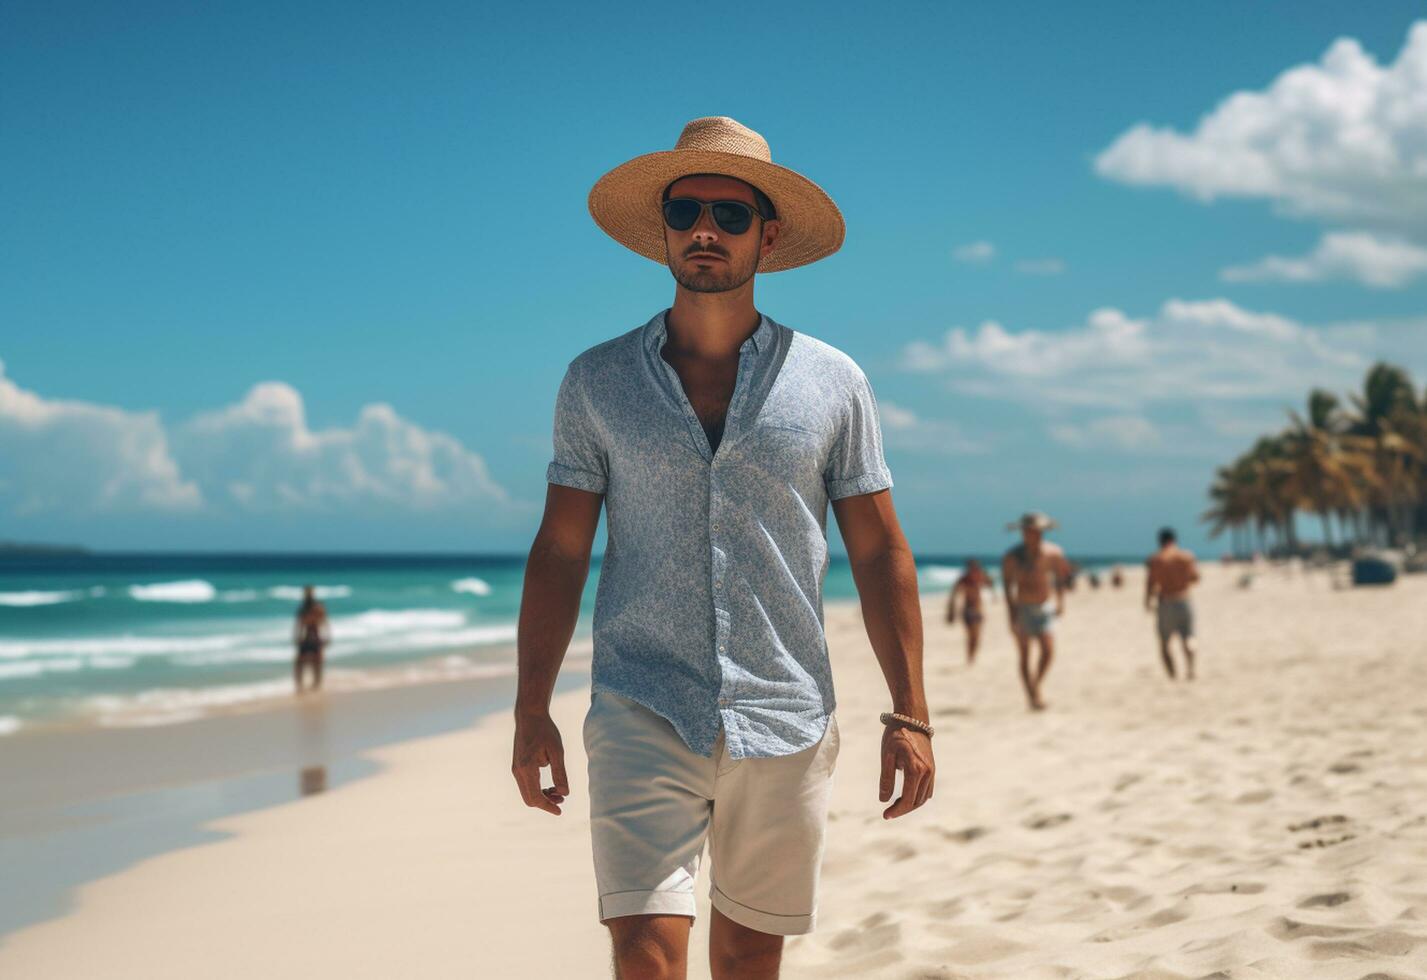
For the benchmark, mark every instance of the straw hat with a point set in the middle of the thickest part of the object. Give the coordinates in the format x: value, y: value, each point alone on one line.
x: 1034, y: 519
x: 626, y: 201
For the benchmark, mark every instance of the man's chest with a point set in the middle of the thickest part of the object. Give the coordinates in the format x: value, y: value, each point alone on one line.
x: 1035, y: 571
x: 708, y: 386
x: 739, y: 426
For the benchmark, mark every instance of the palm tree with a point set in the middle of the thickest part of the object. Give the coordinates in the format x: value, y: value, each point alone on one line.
x: 1367, y: 466
x: 1231, y: 506
x: 1388, y: 415
x: 1330, y: 470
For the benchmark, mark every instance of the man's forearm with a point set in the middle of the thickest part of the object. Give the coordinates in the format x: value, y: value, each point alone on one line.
x: 549, y: 609
x: 892, y: 614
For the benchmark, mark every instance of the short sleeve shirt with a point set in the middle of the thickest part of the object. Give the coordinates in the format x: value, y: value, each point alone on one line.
x: 709, y: 605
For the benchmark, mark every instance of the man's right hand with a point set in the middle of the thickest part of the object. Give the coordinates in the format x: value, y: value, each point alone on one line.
x: 537, y: 744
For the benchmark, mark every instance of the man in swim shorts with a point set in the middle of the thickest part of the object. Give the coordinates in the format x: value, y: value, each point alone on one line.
x: 1170, y: 573
x: 1034, y: 573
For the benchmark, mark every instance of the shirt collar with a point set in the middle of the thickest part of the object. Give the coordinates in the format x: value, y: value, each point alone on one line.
x: 655, y: 331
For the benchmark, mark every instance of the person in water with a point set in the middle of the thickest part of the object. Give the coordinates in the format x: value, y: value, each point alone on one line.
x: 311, y: 634
x: 969, y: 588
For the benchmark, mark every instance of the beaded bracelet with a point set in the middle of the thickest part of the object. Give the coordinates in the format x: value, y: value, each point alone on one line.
x: 892, y: 717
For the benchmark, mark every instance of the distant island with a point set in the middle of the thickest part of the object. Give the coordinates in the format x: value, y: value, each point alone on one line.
x: 33, y: 548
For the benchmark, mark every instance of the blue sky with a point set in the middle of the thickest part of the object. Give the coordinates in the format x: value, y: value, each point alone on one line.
x: 376, y: 214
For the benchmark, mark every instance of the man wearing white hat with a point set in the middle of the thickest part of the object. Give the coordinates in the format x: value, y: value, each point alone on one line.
x: 1034, y: 574
x: 715, y: 438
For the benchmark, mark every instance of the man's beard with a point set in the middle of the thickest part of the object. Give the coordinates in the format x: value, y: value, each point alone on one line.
x: 713, y: 279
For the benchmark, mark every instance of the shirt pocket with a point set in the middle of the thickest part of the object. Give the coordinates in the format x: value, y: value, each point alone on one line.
x: 787, y: 454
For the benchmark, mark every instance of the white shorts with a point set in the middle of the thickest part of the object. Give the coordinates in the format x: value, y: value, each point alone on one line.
x: 653, y: 802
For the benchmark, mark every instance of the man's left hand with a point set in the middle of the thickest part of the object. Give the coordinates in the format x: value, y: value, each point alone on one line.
x: 910, y: 751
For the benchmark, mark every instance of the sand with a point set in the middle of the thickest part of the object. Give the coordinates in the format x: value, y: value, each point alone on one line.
x: 1269, y: 820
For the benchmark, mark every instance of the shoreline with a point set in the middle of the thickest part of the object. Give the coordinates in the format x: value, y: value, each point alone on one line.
x: 87, y: 800
x: 456, y: 666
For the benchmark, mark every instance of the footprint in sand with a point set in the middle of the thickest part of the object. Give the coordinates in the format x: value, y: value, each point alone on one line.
x: 1225, y: 888
x: 1343, y: 768
x: 1126, y: 781
x: 948, y: 909
x: 1325, y: 901
x: 1164, y: 917
x: 1290, y: 930
x: 873, y: 933
x: 1325, y: 842
x: 1047, y: 821
x: 965, y: 836
x: 895, y: 849
x: 1318, y: 822
x: 1256, y: 796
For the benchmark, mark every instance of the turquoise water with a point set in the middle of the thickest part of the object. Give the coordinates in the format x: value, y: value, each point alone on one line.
x: 146, y: 639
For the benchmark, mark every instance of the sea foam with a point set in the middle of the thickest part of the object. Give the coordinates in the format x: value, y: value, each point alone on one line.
x: 474, y: 586
x: 940, y: 575
x: 41, y: 598
x: 293, y: 593
x: 190, y: 590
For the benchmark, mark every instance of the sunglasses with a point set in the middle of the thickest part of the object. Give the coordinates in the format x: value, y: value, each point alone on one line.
x: 734, y: 217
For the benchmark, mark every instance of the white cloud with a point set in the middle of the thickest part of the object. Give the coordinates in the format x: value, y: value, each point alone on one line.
x: 1123, y: 432
x: 1041, y: 267
x: 1383, y: 262
x: 259, y: 454
x: 1343, y: 138
x: 58, y: 455
x: 1108, y: 337
x: 1188, y: 351
x: 903, y: 428
x: 974, y: 252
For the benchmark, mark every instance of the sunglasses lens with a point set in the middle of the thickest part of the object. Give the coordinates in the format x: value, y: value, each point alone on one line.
x: 733, y: 217
x: 681, y: 213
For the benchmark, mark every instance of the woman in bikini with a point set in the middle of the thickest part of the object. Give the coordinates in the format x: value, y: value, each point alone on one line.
x: 311, y: 634
x: 969, y: 587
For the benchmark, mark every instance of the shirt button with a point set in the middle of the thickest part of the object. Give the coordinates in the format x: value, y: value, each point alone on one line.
x: 721, y: 647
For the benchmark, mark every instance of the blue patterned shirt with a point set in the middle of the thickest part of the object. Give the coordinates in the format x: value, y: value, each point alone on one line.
x: 709, y: 605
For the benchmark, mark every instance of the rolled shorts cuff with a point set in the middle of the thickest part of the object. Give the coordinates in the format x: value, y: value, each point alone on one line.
x: 647, y: 902
x: 769, y: 922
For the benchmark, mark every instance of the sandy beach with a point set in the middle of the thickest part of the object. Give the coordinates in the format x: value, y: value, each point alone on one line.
x: 1269, y: 820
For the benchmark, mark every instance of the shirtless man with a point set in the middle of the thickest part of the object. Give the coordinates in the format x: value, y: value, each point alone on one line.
x: 1171, y: 573
x: 969, y: 588
x: 1031, y: 573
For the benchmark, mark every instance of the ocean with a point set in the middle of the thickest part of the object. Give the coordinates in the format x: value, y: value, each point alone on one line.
x: 143, y: 639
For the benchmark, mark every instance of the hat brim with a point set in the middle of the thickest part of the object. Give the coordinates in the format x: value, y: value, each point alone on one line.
x: 1037, y: 525
x: 626, y: 203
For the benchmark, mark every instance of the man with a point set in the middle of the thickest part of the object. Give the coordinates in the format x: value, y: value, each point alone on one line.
x: 310, y: 634
x: 970, y: 587
x: 715, y: 438
x: 1032, y: 573
x: 1170, y: 572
